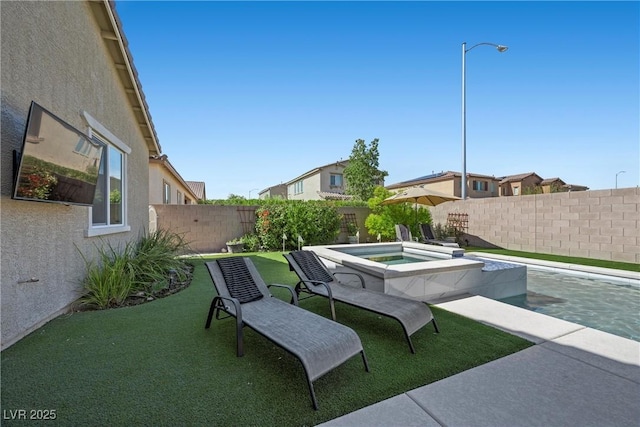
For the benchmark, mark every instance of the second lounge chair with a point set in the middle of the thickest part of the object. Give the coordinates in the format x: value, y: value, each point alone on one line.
x: 315, y: 279
x: 429, y: 238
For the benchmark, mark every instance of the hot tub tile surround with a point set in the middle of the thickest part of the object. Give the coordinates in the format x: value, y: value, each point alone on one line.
x: 430, y: 281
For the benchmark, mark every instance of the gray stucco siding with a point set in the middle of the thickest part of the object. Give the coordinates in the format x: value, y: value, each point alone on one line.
x: 53, y: 53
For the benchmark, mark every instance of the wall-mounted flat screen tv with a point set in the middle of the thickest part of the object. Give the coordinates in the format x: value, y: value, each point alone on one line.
x: 58, y: 163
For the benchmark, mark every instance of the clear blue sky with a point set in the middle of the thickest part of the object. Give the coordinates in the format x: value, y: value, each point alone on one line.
x: 246, y: 95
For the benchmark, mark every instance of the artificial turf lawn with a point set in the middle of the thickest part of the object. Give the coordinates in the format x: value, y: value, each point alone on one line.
x: 155, y: 364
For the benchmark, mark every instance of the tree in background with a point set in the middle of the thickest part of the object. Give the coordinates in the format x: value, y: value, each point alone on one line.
x: 383, y: 218
x: 362, y: 174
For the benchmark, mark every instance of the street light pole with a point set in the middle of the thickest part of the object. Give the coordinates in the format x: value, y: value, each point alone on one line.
x: 253, y: 189
x: 617, y: 177
x: 500, y: 49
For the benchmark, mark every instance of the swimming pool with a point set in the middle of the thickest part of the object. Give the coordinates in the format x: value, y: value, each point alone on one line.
x: 604, y: 303
x: 435, y: 272
x: 399, y: 258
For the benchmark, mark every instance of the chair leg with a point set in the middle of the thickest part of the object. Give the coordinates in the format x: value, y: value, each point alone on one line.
x: 435, y: 325
x: 239, y: 338
x: 413, y: 350
x: 312, y: 393
x: 211, y: 310
x: 332, y: 304
x: 364, y: 359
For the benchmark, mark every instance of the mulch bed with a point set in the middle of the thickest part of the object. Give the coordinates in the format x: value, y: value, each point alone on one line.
x: 143, y: 297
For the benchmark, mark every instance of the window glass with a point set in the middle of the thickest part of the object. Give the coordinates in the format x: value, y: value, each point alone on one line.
x: 115, y: 185
x: 166, y: 193
x: 107, y: 204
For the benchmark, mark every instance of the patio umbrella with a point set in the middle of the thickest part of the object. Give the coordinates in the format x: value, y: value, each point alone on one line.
x: 419, y: 195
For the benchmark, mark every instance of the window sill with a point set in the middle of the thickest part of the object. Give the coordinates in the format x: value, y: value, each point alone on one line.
x: 103, y: 231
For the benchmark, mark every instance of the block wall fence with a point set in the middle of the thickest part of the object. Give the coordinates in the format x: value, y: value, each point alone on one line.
x: 207, y: 228
x: 601, y: 224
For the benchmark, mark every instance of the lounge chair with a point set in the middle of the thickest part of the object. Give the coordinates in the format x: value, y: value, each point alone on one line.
x: 403, y: 234
x: 315, y: 279
x: 319, y: 343
x: 429, y: 238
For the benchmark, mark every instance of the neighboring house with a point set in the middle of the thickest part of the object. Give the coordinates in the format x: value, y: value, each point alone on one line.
x: 166, y: 186
x: 198, y: 189
x: 450, y: 183
x: 72, y: 59
x: 552, y: 185
x: 556, y: 185
x: 274, y: 192
x: 480, y: 186
x: 322, y: 183
x: 517, y: 185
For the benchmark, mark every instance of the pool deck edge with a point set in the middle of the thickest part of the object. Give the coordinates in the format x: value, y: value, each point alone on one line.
x: 573, y: 375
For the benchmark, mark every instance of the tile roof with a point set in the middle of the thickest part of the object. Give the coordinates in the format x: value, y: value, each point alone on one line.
x: 198, y: 189
x: 328, y: 195
x: 518, y: 177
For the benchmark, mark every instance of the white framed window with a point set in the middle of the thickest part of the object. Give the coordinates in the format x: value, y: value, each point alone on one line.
x: 335, y: 180
x: 109, y: 211
x: 297, y: 187
x: 480, y: 185
x: 166, y: 193
x: 516, y: 191
x: 179, y: 199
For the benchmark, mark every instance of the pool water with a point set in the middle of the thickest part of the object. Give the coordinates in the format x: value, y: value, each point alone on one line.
x: 398, y: 258
x: 607, y: 305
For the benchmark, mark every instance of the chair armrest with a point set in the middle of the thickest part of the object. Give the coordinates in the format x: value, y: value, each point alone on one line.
x: 294, y: 297
x: 219, y: 304
x: 362, y: 283
x: 318, y: 282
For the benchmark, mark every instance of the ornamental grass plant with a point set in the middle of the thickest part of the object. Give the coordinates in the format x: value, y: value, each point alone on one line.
x: 145, y: 266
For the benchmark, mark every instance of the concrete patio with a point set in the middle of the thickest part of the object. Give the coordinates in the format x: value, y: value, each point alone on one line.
x: 573, y: 376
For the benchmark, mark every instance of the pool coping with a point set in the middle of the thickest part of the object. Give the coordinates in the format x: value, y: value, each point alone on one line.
x: 631, y: 277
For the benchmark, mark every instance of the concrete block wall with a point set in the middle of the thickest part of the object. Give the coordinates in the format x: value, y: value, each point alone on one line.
x: 601, y: 224
x: 208, y: 227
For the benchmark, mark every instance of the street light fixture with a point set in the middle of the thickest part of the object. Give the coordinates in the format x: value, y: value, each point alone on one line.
x: 500, y: 48
x: 617, y: 177
x: 253, y: 189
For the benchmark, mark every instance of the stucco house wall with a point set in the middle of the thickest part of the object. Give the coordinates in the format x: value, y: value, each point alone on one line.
x: 317, y: 180
x: 55, y: 54
x: 311, y: 184
x: 161, y: 171
x: 275, y: 191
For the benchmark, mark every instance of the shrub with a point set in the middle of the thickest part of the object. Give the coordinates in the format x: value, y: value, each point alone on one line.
x: 251, y: 242
x: 316, y: 222
x: 155, y: 258
x: 145, y: 265
x: 109, y: 283
x: 383, y: 218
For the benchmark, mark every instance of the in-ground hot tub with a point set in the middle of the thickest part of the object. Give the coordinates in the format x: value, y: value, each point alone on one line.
x: 424, y: 272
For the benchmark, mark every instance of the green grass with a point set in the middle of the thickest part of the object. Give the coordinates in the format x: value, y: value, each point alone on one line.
x: 155, y: 364
x: 560, y: 258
